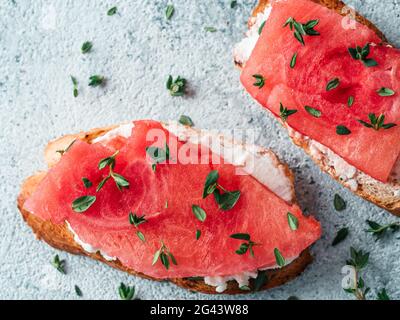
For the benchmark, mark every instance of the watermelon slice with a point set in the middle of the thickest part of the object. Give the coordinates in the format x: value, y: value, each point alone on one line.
x: 330, y: 89
x: 165, y: 196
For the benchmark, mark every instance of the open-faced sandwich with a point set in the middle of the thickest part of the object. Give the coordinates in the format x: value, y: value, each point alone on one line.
x: 333, y: 81
x: 166, y: 201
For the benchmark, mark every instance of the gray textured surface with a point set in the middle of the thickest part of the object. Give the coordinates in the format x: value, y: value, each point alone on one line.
x: 136, y: 50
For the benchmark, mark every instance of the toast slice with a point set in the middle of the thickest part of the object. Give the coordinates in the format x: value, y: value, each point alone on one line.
x: 384, y: 195
x: 60, y: 237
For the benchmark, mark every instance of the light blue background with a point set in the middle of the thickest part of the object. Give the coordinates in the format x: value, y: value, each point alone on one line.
x: 40, y: 47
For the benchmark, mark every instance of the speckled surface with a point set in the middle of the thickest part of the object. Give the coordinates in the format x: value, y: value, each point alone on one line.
x: 40, y: 47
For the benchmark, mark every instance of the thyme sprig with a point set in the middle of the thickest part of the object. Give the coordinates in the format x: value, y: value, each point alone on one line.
x: 225, y: 199
x: 376, y: 122
x: 301, y: 30
x: 379, y: 230
x: 119, y: 180
x: 164, y: 255
x: 358, y: 260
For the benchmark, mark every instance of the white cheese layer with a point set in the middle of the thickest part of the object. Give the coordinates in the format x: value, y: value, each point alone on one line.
x: 87, y: 247
x: 243, y: 279
x: 260, y: 163
x: 124, y: 130
x: 348, y: 174
x: 244, y: 48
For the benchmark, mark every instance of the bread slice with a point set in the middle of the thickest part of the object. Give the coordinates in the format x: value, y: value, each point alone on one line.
x: 59, y: 236
x: 385, y: 195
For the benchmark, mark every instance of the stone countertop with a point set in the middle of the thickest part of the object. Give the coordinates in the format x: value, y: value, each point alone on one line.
x: 136, y: 50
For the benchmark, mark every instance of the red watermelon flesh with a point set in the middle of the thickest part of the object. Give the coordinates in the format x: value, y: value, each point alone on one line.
x: 105, y: 225
x: 323, y: 58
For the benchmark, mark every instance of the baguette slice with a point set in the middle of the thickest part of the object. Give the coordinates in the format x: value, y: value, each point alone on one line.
x: 59, y: 236
x: 384, y: 195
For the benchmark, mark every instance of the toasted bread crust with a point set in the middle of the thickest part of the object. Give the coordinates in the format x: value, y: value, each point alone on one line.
x: 376, y: 193
x: 59, y: 237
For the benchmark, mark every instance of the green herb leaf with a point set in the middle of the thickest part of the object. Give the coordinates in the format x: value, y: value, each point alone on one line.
x: 126, y: 292
x: 186, y: 121
x: 260, y: 29
x: 293, y: 61
x: 59, y: 264
x: 342, y: 130
x: 86, y: 182
x: 233, y: 4
x: 261, y: 280
x: 292, y: 221
x: 260, y: 81
x: 299, y: 37
x: 370, y: 62
x: 228, y: 199
x: 156, y: 257
x: 379, y: 230
x: 211, y: 183
x: 78, y: 291
x: 350, y: 101
x: 339, y: 203
x: 169, y: 11
x: 210, y: 29
x: 199, y: 213
x: 361, y: 54
x: 314, y: 112
x: 242, y: 249
x: 172, y: 258
x: 240, y: 236
x: 340, y: 236
x: 102, y: 182
x: 332, y: 84
x: 176, y: 87
x: 285, y: 113
x: 382, y: 295
x: 108, y: 161
x: 164, y: 255
x: 81, y: 204
x: 86, y: 47
x: 141, y: 236
x: 280, y: 260
x: 158, y: 155
x: 164, y: 260
x: 245, y: 246
x: 198, y: 234
x: 136, y: 220
x: 376, y: 123
x: 96, y: 80
x: 112, y: 11
x: 301, y: 30
x: 75, y: 84
x: 385, y: 92
x: 120, y: 181
x: 359, y: 258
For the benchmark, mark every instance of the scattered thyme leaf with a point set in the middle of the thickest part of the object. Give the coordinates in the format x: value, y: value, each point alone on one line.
x: 96, y: 80
x: 83, y: 203
x: 339, y: 203
x: 59, y: 264
x: 112, y: 11
x: 341, y: 235
x: 169, y: 11
x: 176, y: 87
x: 126, y: 292
x: 86, y: 47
